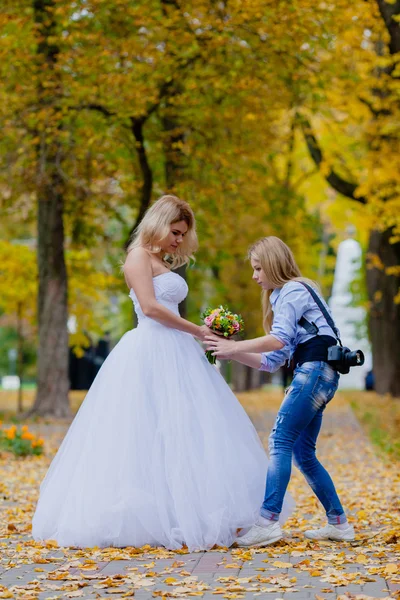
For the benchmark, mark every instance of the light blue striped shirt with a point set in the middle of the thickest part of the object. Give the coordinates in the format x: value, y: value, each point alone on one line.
x: 289, y: 303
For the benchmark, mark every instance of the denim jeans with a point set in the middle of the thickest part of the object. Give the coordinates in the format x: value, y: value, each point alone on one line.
x: 295, y: 433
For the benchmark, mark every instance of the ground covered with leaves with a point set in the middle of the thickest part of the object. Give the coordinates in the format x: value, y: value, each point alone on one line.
x: 367, y: 482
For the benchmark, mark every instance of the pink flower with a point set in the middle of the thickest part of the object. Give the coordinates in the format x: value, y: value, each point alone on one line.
x: 209, y: 320
x: 236, y: 325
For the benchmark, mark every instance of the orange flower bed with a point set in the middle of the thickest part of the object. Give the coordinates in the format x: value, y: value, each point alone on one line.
x: 20, y: 441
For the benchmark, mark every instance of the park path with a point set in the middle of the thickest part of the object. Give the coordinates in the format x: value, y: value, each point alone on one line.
x: 295, y: 568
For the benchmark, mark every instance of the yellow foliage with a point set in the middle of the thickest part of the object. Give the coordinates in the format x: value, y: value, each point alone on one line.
x: 230, y: 80
x: 18, y: 280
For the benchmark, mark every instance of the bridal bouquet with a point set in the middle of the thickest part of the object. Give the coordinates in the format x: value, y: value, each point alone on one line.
x: 222, y: 321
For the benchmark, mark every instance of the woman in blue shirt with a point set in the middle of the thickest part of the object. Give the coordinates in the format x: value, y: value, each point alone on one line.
x: 285, y: 301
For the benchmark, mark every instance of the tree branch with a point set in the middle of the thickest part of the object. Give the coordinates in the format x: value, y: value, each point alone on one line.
x: 147, y: 174
x: 346, y: 188
x: 289, y: 164
x: 388, y: 11
x: 304, y: 177
x: 375, y: 112
x: 99, y: 108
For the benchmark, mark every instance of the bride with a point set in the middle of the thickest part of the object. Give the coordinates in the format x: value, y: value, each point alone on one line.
x: 160, y: 452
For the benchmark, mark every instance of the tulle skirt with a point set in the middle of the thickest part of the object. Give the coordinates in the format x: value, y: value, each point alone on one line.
x: 161, y: 452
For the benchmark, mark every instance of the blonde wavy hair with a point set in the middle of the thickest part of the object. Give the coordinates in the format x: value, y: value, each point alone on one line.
x: 279, y: 265
x: 155, y: 227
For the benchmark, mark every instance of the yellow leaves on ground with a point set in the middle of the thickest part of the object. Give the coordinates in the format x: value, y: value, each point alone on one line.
x: 282, y: 565
x: 392, y: 569
x: 349, y: 596
x: 338, y: 577
x: 89, y: 567
x: 242, y: 554
x: 368, y: 487
x: 362, y: 559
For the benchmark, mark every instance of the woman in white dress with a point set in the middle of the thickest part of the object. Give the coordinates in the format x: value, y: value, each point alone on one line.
x: 160, y: 452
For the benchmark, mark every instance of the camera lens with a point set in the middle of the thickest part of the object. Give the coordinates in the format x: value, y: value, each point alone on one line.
x: 354, y: 359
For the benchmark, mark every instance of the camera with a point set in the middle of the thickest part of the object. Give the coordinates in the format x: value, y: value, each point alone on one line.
x: 342, y: 358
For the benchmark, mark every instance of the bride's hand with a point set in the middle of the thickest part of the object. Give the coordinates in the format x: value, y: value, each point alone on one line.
x: 220, y: 347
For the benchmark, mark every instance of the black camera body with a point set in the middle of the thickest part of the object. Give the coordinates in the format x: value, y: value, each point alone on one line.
x: 341, y: 358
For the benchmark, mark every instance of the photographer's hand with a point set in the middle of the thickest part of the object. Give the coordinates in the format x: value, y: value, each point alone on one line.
x: 221, y: 347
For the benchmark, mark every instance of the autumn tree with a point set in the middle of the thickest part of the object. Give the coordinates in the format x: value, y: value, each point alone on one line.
x: 370, y: 98
x: 131, y: 99
x: 47, y: 120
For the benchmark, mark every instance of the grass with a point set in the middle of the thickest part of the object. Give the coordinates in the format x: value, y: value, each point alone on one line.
x: 380, y: 418
x: 8, y: 402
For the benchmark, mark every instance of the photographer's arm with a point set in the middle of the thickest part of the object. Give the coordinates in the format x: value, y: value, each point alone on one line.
x: 250, y: 359
x: 272, y: 361
x: 231, y: 348
x: 267, y: 361
x: 293, y: 300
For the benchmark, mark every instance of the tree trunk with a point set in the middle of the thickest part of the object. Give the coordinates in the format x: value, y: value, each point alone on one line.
x: 245, y: 378
x: 20, y: 357
x: 174, y: 168
x: 239, y: 377
x: 53, y: 381
x: 384, y: 318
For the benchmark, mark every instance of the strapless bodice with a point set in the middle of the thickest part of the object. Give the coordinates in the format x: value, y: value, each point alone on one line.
x: 169, y: 289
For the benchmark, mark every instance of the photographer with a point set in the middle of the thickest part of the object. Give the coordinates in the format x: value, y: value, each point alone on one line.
x: 296, y: 325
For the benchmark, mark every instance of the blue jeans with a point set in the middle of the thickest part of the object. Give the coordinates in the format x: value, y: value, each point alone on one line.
x: 295, y: 434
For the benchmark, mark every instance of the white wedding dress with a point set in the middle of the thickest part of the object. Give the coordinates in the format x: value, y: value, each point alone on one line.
x: 160, y: 452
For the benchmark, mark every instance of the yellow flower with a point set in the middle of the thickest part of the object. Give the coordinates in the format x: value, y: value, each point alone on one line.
x: 27, y: 436
x: 37, y: 443
x: 10, y: 433
x: 24, y: 428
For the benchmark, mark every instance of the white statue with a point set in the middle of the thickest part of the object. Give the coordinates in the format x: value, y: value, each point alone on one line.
x: 350, y: 318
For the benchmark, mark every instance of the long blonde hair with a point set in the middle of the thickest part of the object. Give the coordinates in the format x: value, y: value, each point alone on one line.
x: 279, y: 265
x: 155, y: 227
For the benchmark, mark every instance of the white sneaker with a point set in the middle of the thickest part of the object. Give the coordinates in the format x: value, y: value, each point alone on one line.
x: 260, y: 536
x: 330, y: 532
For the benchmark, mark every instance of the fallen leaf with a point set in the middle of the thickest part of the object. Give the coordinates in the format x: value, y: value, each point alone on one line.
x: 282, y: 565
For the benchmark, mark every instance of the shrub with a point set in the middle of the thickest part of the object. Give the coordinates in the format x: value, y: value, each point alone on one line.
x: 20, y: 441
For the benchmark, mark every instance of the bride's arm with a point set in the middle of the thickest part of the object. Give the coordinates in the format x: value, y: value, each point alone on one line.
x: 139, y: 276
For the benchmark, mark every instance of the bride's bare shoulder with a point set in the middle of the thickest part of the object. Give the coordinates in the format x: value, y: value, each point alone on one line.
x: 136, y: 256
x: 137, y: 266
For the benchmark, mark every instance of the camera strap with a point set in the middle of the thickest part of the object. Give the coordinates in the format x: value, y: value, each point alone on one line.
x: 311, y: 327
